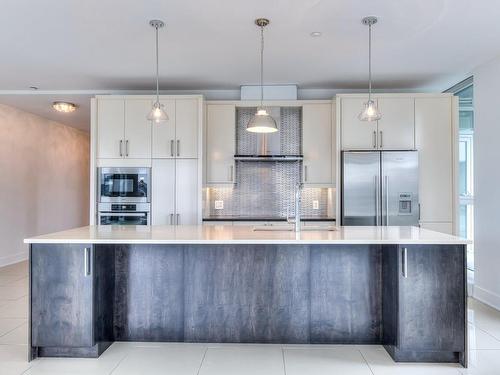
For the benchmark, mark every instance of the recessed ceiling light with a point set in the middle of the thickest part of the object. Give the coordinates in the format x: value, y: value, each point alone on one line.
x: 65, y: 107
x: 315, y: 34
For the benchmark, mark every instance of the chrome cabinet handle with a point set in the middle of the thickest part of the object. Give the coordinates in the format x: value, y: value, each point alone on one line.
x: 404, y: 260
x: 121, y: 146
x: 381, y: 140
x: 86, y: 254
x: 178, y: 148
x: 178, y: 221
x: 231, y: 173
x: 171, y: 218
x: 419, y: 212
x: 305, y: 173
x: 126, y: 148
x: 172, y: 147
x: 374, y: 139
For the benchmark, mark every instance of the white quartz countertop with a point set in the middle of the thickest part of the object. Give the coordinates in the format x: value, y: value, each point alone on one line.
x: 221, y: 234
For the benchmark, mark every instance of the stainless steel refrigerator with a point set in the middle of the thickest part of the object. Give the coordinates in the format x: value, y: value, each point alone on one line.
x: 379, y: 188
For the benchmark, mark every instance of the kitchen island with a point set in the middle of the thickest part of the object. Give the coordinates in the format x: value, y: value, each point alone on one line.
x: 401, y: 287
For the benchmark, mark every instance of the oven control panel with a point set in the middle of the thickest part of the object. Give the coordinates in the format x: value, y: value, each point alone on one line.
x: 123, y: 207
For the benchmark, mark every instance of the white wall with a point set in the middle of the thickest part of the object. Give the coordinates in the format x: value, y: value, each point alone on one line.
x: 44, y: 179
x: 487, y: 183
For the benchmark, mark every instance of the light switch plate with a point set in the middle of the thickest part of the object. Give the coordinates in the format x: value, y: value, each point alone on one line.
x: 315, y: 205
x: 219, y: 205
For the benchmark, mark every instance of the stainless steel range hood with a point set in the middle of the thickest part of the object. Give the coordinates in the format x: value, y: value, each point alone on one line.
x: 266, y: 146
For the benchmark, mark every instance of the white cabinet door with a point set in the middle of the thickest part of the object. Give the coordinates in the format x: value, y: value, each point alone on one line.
x: 110, y: 128
x: 356, y: 134
x: 186, y: 128
x: 434, y: 134
x: 137, y: 128
x: 163, y: 192
x: 186, y: 191
x: 220, y: 143
x: 396, y: 128
x: 164, y: 133
x: 317, y: 143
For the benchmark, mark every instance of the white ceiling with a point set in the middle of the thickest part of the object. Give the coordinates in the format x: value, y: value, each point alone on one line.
x: 213, y: 44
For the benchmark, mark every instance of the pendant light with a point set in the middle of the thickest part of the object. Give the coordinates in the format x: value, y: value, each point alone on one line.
x: 262, y: 122
x: 370, y: 111
x: 157, y: 113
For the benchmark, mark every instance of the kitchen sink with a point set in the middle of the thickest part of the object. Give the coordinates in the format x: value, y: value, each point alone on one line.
x: 290, y: 228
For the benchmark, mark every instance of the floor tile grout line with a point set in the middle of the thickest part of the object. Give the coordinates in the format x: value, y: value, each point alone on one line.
x: 119, y: 362
x: 283, y: 356
x: 202, y: 360
x: 364, y: 359
x: 488, y: 333
x: 13, y: 329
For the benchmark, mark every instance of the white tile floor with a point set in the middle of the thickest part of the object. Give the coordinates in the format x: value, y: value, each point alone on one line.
x: 232, y: 359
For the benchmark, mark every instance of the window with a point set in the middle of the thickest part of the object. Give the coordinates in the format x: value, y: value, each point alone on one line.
x: 465, y: 92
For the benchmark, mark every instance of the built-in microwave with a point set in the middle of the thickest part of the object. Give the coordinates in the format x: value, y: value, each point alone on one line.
x: 124, y: 185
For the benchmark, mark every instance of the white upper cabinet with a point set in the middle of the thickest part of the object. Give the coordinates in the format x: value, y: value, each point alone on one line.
x: 434, y: 135
x: 396, y: 128
x: 317, y: 144
x: 356, y: 134
x: 137, y: 129
x: 220, y: 143
x: 186, y: 128
x: 164, y: 133
x: 178, y: 137
x: 122, y: 128
x: 394, y: 131
x: 110, y: 129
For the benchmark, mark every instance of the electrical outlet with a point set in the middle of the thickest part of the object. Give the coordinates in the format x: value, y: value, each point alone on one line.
x: 219, y: 205
x: 315, y: 205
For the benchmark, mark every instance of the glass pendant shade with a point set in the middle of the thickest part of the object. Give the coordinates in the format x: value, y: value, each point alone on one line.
x: 262, y: 122
x: 370, y: 112
x: 158, y: 114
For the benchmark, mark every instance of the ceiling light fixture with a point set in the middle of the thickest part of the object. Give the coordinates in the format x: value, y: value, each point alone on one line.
x: 370, y: 111
x: 315, y: 34
x: 157, y: 113
x: 64, y: 107
x: 262, y: 122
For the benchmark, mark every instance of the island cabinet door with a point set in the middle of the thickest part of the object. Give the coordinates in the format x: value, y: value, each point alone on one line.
x: 61, y: 295
x: 432, y: 301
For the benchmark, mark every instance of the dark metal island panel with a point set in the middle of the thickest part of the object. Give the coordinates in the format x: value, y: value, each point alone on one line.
x: 409, y: 298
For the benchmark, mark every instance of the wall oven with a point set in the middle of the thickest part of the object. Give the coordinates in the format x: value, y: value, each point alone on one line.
x: 124, y: 214
x: 124, y: 185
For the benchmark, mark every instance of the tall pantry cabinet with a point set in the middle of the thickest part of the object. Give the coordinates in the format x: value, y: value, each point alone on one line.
x: 121, y: 136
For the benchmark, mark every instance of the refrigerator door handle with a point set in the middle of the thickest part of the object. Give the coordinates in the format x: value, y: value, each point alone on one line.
x: 386, y: 200
x: 377, y: 215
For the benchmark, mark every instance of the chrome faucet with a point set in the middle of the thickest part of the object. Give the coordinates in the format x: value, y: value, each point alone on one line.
x: 296, y: 220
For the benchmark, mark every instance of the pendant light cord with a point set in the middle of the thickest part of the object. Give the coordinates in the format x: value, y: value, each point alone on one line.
x: 261, y: 65
x: 157, y: 71
x: 369, y: 62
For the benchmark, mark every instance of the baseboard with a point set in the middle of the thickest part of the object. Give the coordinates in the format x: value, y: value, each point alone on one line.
x: 487, y: 297
x: 14, y: 258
